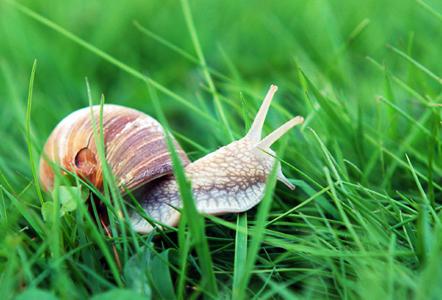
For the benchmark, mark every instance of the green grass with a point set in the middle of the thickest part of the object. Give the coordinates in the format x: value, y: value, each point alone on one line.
x: 365, y: 220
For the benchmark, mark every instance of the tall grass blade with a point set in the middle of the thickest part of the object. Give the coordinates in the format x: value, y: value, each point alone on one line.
x: 258, y: 230
x: 199, y: 52
x: 240, y: 253
x: 193, y: 218
x: 28, y: 134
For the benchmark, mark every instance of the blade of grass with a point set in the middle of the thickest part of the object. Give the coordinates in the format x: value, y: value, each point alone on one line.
x: 391, y: 250
x: 406, y: 115
x: 28, y: 134
x: 193, y: 218
x: 427, y: 7
x: 5, y: 181
x: 255, y: 243
x: 184, y: 248
x: 416, y: 64
x: 240, y: 253
x: 30, y: 216
x: 199, y: 52
x: 341, y: 210
x: 176, y: 49
x: 302, y: 204
x: 424, y: 234
x: 102, y: 245
x: 401, y: 162
x: 401, y: 83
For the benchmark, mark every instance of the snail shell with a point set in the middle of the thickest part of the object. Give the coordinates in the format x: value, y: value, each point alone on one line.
x: 135, y: 147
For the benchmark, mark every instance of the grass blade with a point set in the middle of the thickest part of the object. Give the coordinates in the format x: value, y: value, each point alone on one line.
x: 416, y: 64
x: 193, y: 218
x: 240, y: 253
x: 28, y: 134
x: 424, y: 234
x: 259, y: 229
x: 427, y: 7
x: 199, y: 52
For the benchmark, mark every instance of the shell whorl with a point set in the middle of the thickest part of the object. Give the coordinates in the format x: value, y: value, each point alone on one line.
x: 135, y: 148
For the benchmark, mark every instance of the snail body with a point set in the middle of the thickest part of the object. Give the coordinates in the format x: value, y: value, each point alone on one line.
x: 229, y: 180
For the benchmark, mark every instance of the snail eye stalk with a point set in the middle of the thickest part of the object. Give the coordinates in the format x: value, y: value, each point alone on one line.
x: 266, y: 142
x: 255, y: 131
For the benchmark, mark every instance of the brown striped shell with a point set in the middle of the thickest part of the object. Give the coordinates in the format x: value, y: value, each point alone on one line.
x: 135, y: 147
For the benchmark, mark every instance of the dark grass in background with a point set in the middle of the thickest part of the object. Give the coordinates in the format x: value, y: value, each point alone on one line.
x: 364, y: 221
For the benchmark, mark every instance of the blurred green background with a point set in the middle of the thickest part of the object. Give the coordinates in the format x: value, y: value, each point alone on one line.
x: 371, y: 92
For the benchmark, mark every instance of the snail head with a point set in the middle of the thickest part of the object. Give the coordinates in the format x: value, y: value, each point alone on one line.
x: 258, y: 147
x: 235, y: 175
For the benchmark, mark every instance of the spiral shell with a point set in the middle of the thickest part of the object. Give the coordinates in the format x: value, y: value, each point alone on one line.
x: 135, y: 147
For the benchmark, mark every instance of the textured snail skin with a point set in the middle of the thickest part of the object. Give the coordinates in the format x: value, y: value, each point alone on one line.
x: 229, y: 180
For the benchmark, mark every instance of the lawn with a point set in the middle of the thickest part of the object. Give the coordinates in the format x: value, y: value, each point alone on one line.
x: 365, y: 219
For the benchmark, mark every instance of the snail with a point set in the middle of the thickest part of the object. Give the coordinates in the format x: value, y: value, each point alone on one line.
x: 229, y: 180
